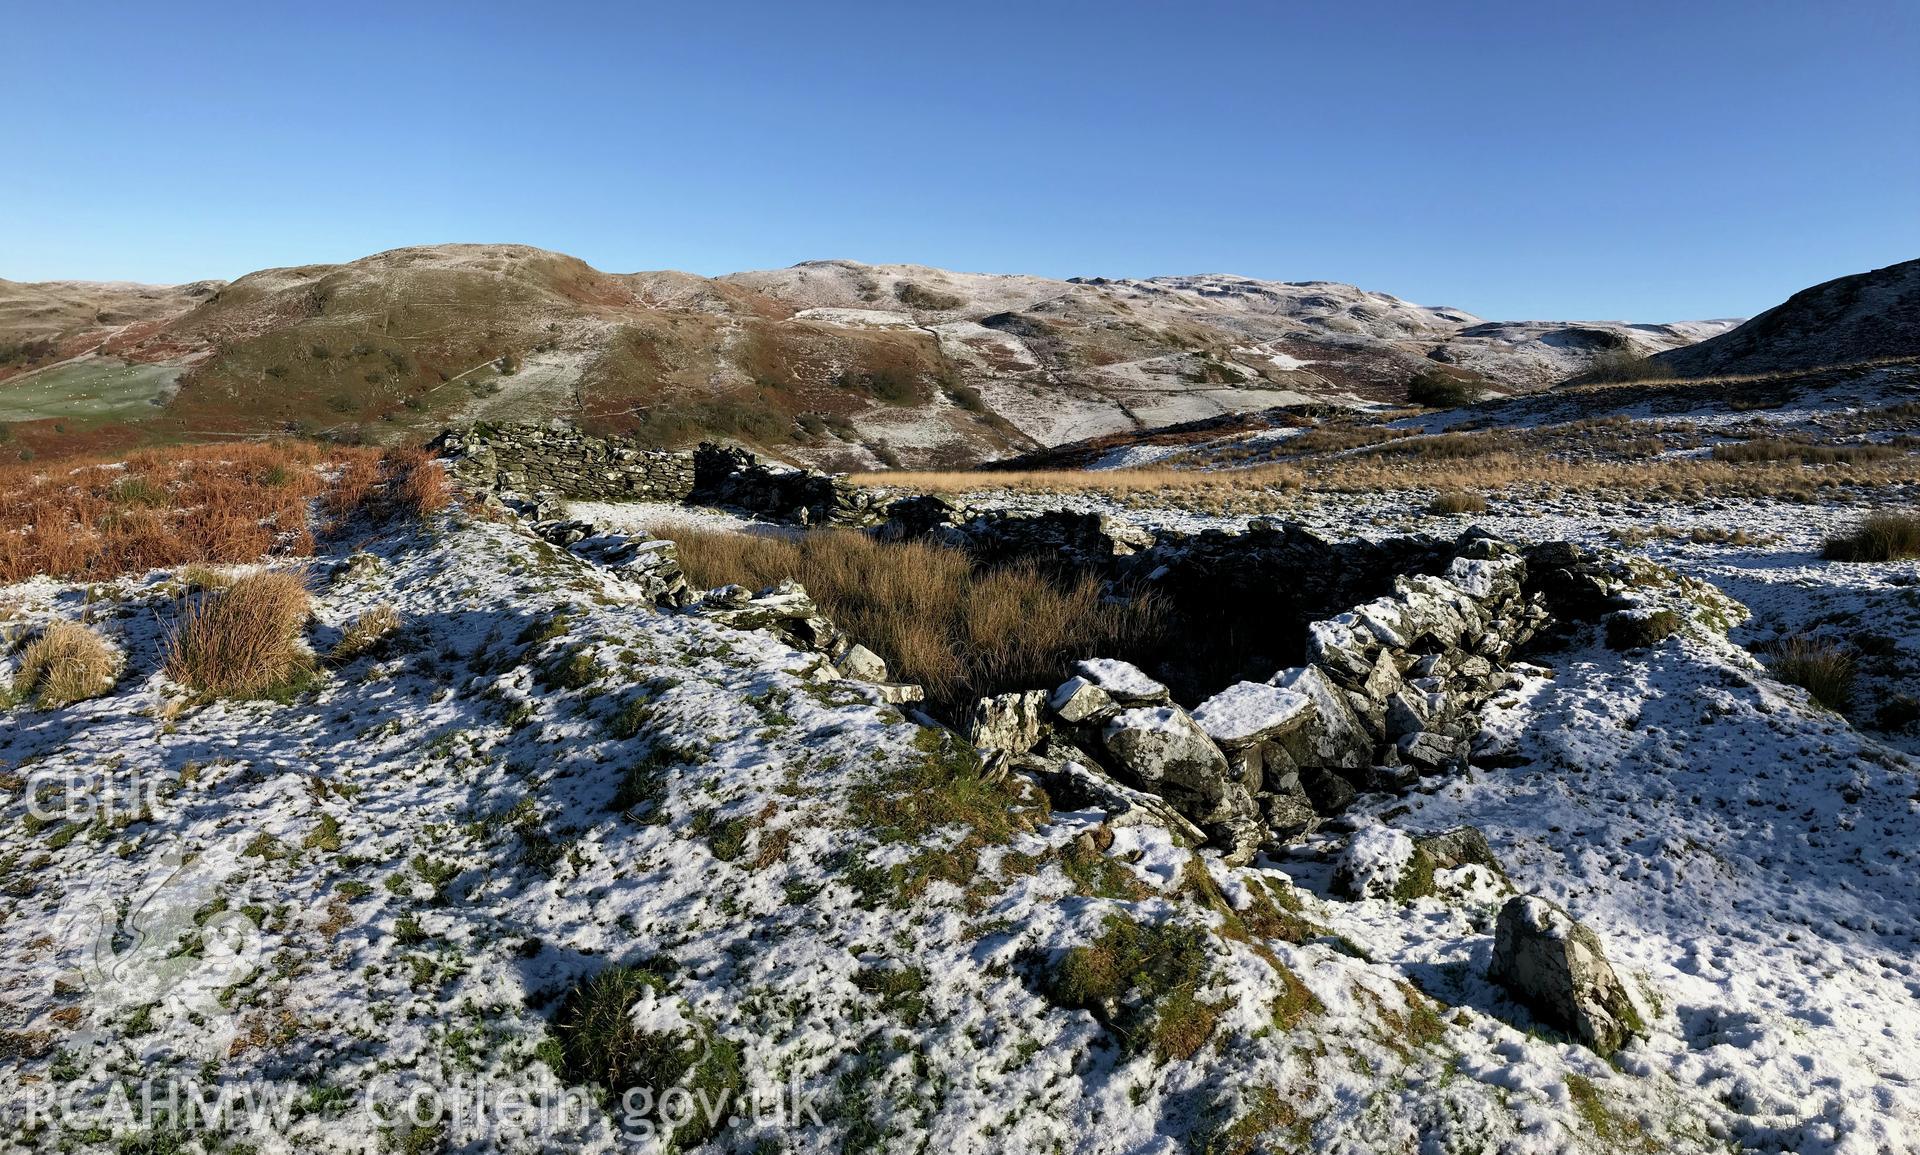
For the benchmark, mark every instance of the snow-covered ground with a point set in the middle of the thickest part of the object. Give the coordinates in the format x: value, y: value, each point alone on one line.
x: 379, y: 896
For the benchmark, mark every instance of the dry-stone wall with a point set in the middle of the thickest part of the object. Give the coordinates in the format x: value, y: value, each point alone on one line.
x: 1389, y: 693
x: 1403, y: 640
x: 539, y: 459
x: 1390, y: 690
x: 534, y: 459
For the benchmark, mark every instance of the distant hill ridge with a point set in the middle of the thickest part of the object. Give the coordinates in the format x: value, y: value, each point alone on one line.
x: 833, y: 363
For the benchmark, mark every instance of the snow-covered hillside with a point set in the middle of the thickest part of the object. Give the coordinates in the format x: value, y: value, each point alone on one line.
x: 832, y: 363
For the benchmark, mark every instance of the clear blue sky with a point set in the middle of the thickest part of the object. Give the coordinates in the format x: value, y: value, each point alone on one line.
x: 1647, y: 161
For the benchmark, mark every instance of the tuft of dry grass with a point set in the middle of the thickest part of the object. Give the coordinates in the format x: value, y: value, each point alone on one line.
x: 1891, y: 535
x: 416, y: 485
x: 67, y: 663
x: 1457, y: 501
x: 364, y: 633
x: 244, y: 641
x: 1824, y: 670
x: 958, y: 631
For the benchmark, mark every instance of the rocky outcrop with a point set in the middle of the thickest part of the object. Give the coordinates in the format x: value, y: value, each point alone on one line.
x: 1558, y: 969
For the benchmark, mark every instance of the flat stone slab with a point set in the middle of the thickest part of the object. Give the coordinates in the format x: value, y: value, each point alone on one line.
x: 1250, y: 712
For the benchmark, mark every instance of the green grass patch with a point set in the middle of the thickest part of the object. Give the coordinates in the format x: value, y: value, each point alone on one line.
x: 902, y: 990
x: 598, y: 1044
x: 1143, y: 982
x: 936, y: 792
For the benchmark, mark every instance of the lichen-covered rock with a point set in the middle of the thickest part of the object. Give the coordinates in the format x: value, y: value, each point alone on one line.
x: 1558, y: 969
x: 861, y: 664
x: 1578, y: 583
x: 1382, y: 680
x: 1010, y: 723
x: 1078, y: 701
x: 1163, y: 750
x: 1072, y: 781
x: 900, y: 693
x: 1407, y: 713
x: 1235, y: 824
x: 1166, y: 751
x: 1333, y: 736
x: 1289, y: 815
x: 1432, y: 751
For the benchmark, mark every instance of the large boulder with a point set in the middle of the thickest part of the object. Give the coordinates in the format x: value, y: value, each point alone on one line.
x: 1248, y: 721
x: 1165, y: 751
x: 1557, y: 968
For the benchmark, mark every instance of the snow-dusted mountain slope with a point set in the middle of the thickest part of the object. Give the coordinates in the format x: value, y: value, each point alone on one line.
x: 832, y: 363
x: 1864, y: 317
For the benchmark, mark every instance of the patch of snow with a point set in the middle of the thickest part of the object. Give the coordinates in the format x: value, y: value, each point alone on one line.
x: 1123, y: 680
